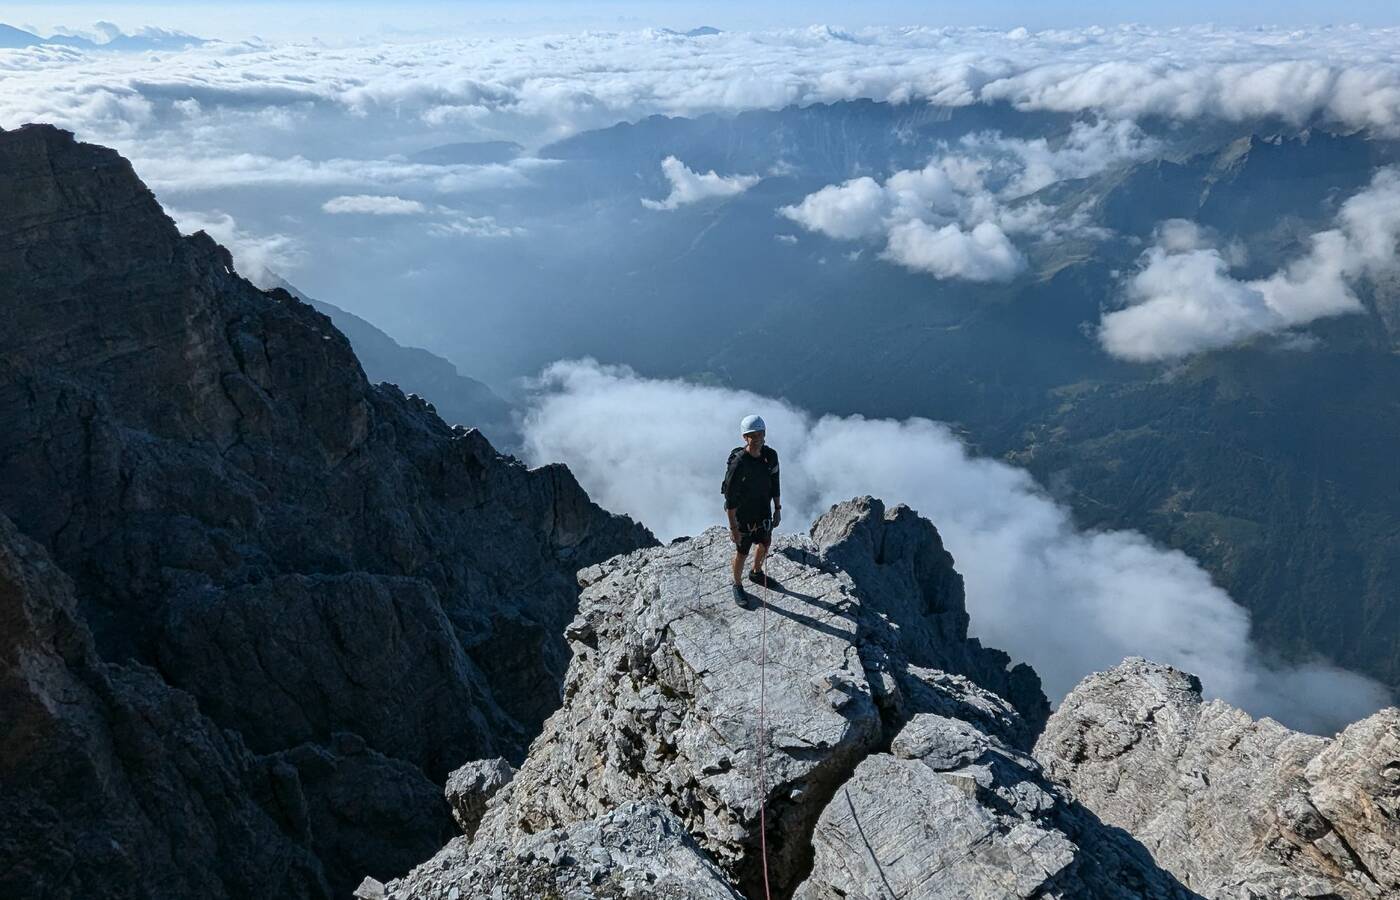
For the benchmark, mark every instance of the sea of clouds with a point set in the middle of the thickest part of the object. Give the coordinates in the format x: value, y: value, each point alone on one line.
x: 539, y: 88
x: 257, y: 117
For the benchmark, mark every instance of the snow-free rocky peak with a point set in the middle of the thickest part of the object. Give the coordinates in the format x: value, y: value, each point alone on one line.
x: 895, y: 759
x: 1236, y: 807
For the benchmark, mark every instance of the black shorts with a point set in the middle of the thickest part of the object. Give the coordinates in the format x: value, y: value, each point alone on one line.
x: 751, y: 533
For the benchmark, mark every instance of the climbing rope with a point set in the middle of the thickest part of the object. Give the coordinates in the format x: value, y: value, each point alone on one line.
x: 762, y: 711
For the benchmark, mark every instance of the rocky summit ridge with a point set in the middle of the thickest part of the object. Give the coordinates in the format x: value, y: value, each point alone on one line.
x: 895, y: 760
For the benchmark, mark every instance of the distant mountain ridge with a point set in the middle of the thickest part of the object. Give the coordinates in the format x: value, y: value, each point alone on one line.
x: 468, y: 153
x: 459, y: 400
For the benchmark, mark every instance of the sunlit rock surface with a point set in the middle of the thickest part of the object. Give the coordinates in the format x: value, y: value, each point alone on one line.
x: 1235, y: 807
x: 877, y: 776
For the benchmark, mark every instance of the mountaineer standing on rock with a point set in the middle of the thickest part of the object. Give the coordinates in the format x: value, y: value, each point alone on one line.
x: 751, y: 501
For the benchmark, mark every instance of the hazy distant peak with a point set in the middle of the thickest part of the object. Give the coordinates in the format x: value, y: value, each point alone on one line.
x: 702, y: 31
x: 468, y: 153
x: 112, y: 38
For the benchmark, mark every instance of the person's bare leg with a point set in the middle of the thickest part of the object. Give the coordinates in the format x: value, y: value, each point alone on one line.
x: 760, y: 551
x: 739, y: 567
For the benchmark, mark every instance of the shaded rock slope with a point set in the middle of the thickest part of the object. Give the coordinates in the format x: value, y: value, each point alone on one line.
x: 112, y: 784
x: 1235, y: 807
x: 284, y: 559
x: 895, y: 760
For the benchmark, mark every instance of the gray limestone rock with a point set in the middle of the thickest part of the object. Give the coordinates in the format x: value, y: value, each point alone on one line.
x: 897, y: 560
x: 662, y: 702
x: 874, y: 776
x: 639, y: 851
x: 899, y: 828
x: 954, y: 812
x: 470, y: 787
x: 1236, y: 807
x: 370, y: 889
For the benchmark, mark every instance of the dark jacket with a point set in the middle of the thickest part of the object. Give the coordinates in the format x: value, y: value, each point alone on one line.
x: 751, y: 483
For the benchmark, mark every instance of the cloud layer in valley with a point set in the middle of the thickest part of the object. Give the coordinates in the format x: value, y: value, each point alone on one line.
x: 1183, y: 300
x: 688, y: 186
x: 953, y: 218
x: 1066, y: 601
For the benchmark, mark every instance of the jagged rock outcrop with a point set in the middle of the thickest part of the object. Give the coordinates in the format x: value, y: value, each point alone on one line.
x: 903, y: 570
x: 324, y: 565
x: 878, y: 776
x: 470, y: 788
x: 1236, y: 807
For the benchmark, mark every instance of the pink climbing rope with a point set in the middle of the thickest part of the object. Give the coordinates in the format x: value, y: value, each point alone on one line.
x: 762, y: 775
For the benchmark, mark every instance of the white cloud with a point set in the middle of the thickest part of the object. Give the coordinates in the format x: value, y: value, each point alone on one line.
x: 1184, y: 299
x: 847, y: 211
x: 180, y: 174
x: 462, y: 225
x: 1184, y: 302
x: 448, y: 222
x: 256, y: 257
x: 373, y: 204
x: 952, y: 218
x: 981, y: 254
x: 1088, y: 148
x: 1066, y: 601
x: 688, y: 186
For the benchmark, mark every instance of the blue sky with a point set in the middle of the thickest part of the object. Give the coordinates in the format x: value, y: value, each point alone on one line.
x: 346, y: 21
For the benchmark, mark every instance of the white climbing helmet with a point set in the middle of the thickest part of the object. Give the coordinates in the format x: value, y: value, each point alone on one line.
x: 752, y: 423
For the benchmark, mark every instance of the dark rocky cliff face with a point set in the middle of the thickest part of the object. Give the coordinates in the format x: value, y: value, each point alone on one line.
x: 337, y: 578
x: 111, y: 782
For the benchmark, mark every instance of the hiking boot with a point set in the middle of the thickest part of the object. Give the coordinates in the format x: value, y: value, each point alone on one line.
x: 741, y: 597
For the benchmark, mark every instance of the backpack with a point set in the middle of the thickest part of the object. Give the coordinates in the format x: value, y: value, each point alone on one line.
x: 729, y: 469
